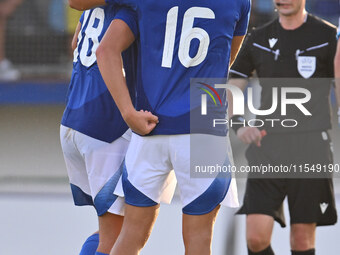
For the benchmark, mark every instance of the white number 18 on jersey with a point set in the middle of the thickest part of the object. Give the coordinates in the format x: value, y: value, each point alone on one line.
x: 87, y: 54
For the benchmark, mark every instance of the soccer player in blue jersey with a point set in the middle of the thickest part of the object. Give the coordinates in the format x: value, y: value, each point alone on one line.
x: 167, y: 63
x: 179, y: 40
x: 94, y: 137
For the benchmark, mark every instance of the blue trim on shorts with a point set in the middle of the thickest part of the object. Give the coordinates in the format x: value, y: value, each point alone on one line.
x: 106, y: 197
x: 132, y: 195
x: 80, y: 197
x: 212, y: 197
x: 90, y: 246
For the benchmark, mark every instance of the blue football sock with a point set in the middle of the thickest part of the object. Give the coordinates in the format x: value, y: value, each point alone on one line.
x: 90, y: 246
x: 99, y: 253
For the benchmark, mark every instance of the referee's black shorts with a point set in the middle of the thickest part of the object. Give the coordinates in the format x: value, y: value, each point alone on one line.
x: 310, y: 200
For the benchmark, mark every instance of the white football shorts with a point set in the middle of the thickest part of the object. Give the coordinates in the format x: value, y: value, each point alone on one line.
x: 94, y: 168
x: 153, y: 163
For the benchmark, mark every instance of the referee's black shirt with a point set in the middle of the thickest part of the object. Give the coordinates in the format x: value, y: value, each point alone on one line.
x: 274, y: 52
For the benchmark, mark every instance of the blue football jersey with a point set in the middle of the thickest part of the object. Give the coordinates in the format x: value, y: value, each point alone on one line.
x: 90, y: 107
x: 180, y: 40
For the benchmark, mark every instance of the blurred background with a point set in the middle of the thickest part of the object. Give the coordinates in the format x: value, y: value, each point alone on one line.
x: 37, y: 215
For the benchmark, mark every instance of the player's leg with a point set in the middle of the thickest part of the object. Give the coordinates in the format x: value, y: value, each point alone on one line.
x: 201, y: 196
x: 104, y: 167
x: 198, y: 232
x: 302, y: 238
x: 109, y: 229
x: 146, y: 176
x: 263, y: 199
x: 263, y: 203
x: 259, y: 233
x: 311, y: 200
x: 78, y: 178
x: 303, y: 224
x: 137, y: 227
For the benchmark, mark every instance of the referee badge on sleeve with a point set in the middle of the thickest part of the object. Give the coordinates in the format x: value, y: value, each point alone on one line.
x: 306, y: 66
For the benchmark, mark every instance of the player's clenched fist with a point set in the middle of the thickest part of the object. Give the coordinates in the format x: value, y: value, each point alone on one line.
x: 141, y: 122
x: 250, y: 135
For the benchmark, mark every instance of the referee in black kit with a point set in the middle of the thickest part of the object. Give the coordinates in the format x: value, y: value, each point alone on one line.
x: 301, y: 46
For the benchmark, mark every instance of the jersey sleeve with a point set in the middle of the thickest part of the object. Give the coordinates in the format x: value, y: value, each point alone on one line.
x: 129, y: 16
x: 242, y: 24
x: 243, y: 65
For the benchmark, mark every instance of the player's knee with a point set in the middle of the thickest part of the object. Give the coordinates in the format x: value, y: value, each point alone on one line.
x: 135, y: 236
x: 302, y: 237
x: 197, y: 243
x: 139, y: 239
x: 257, y: 242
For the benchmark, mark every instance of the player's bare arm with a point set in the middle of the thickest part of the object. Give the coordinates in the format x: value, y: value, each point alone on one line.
x: 337, y: 78
x: 75, y: 37
x: 235, y: 48
x: 118, y: 38
x: 82, y: 5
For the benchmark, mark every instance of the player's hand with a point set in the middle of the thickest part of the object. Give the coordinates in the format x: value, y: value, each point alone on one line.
x: 141, y: 122
x: 250, y: 135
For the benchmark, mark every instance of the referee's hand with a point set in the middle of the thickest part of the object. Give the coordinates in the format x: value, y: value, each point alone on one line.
x: 250, y: 135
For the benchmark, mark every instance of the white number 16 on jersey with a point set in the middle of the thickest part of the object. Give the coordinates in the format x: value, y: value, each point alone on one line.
x: 187, y: 35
